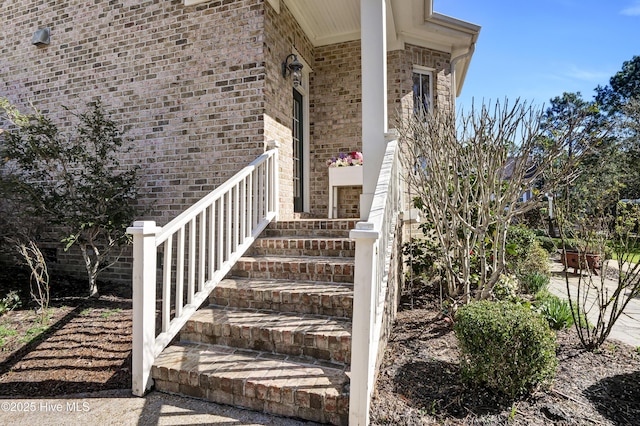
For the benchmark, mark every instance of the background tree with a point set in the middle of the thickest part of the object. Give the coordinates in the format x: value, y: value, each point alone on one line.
x: 596, y: 160
x: 469, y: 177
x: 619, y: 101
x: 74, y: 180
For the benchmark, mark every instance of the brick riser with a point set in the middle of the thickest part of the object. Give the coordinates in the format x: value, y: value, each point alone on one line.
x: 317, y: 228
x: 288, y: 246
x: 309, y: 297
x: 325, y: 269
x: 277, y: 335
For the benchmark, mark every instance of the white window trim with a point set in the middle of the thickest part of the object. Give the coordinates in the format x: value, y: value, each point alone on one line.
x: 419, y: 69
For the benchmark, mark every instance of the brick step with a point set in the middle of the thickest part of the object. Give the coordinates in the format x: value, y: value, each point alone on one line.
x: 338, y: 228
x: 305, y: 297
x: 329, y: 269
x: 304, y: 246
x: 314, y: 336
x: 259, y: 381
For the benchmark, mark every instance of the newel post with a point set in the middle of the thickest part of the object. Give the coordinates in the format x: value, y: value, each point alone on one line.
x: 274, y: 179
x: 144, y: 297
x: 363, y: 344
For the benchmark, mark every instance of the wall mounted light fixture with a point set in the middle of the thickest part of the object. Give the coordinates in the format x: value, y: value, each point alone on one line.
x: 41, y: 37
x: 294, y: 68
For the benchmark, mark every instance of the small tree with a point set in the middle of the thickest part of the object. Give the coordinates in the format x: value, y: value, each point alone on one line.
x: 595, y: 296
x: 76, y: 180
x: 469, y: 177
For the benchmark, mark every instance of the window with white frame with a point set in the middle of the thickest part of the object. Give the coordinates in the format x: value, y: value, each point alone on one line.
x: 422, y: 89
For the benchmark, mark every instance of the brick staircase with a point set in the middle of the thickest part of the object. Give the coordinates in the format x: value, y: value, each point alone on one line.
x: 276, y: 336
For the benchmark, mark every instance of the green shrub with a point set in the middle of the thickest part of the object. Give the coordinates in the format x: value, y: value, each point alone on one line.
x: 505, y: 346
x: 557, y: 312
x: 518, y: 244
x: 10, y: 302
x: 536, y: 260
x: 533, y: 282
x: 506, y: 288
x: 547, y: 243
x: 421, y: 257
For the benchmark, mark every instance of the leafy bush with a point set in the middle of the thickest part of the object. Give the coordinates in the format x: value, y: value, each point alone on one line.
x: 533, y: 282
x: 9, y: 302
x: 519, y: 242
x: 421, y: 257
x: 505, y: 346
x: 506, y: 288
x: 547, y: 243
x: 74, y: 180
x: 557, y: 312
x: 536, y: 260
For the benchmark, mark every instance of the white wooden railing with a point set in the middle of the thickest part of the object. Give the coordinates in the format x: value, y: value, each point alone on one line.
x: 374, y: 241
x: 194, y: 251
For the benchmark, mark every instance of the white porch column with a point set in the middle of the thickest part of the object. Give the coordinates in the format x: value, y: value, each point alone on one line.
x: 374, y: 95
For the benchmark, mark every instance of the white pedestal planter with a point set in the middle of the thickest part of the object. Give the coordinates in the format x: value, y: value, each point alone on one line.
x: 341, y: 176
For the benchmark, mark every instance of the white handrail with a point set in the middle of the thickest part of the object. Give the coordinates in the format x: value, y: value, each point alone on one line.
x: 374, y: 239
x: 199, y: 247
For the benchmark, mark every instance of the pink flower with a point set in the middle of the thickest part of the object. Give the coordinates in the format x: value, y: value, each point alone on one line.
x: 344, y: 160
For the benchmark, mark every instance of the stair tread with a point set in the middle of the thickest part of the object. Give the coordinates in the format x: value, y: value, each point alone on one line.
x: 306, y: 237
x: 207, y: 355
x: 266, y: 319
x: 311, y: 259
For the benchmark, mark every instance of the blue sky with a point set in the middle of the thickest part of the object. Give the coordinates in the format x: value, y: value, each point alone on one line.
x: 536, y: 50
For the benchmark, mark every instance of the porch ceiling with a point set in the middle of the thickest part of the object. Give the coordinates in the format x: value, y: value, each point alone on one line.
x: 408, y: 21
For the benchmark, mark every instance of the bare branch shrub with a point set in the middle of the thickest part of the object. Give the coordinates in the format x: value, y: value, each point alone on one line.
x: 469, y: 177
x: 39, y: 284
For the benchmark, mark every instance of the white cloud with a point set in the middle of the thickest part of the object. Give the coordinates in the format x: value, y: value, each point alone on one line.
x: 582, y: 74
x: 632, y: 10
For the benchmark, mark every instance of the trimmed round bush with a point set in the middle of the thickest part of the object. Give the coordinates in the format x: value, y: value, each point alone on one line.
x: 505, y: 347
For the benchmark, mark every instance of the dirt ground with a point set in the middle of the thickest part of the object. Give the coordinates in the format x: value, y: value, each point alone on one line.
x: 419, y: 381
x: 88, y: 348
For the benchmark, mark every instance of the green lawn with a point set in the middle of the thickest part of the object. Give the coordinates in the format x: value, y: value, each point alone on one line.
x: 634, y: 258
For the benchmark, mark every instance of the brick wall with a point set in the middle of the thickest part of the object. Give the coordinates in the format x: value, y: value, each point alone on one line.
x: 282, y: 36
x: 186, y: 85
x: 199, y: 96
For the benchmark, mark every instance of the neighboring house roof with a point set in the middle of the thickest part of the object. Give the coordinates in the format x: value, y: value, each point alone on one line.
x: 408, y: 21
x: 510, y: 165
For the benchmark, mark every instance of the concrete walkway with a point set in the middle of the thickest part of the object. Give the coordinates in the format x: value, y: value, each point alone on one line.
x: 626, y: 329
x: 120, y: 407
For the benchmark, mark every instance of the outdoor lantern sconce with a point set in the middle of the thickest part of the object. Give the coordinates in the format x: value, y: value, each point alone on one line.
x: 41, y: 37
x: 294, y: 68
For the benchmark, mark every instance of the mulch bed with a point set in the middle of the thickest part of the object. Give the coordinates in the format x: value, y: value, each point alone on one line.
x: 419, y: 382
x: 86, y: 348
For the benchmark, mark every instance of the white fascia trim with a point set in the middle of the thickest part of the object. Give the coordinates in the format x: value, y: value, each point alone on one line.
x: 275, y: 4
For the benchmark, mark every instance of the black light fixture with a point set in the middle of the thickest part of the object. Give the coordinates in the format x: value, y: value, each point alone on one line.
x: 294, y: 68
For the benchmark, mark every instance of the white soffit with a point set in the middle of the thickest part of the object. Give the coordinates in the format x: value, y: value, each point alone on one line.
x: 412, y: 21
x: 327, y: 21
